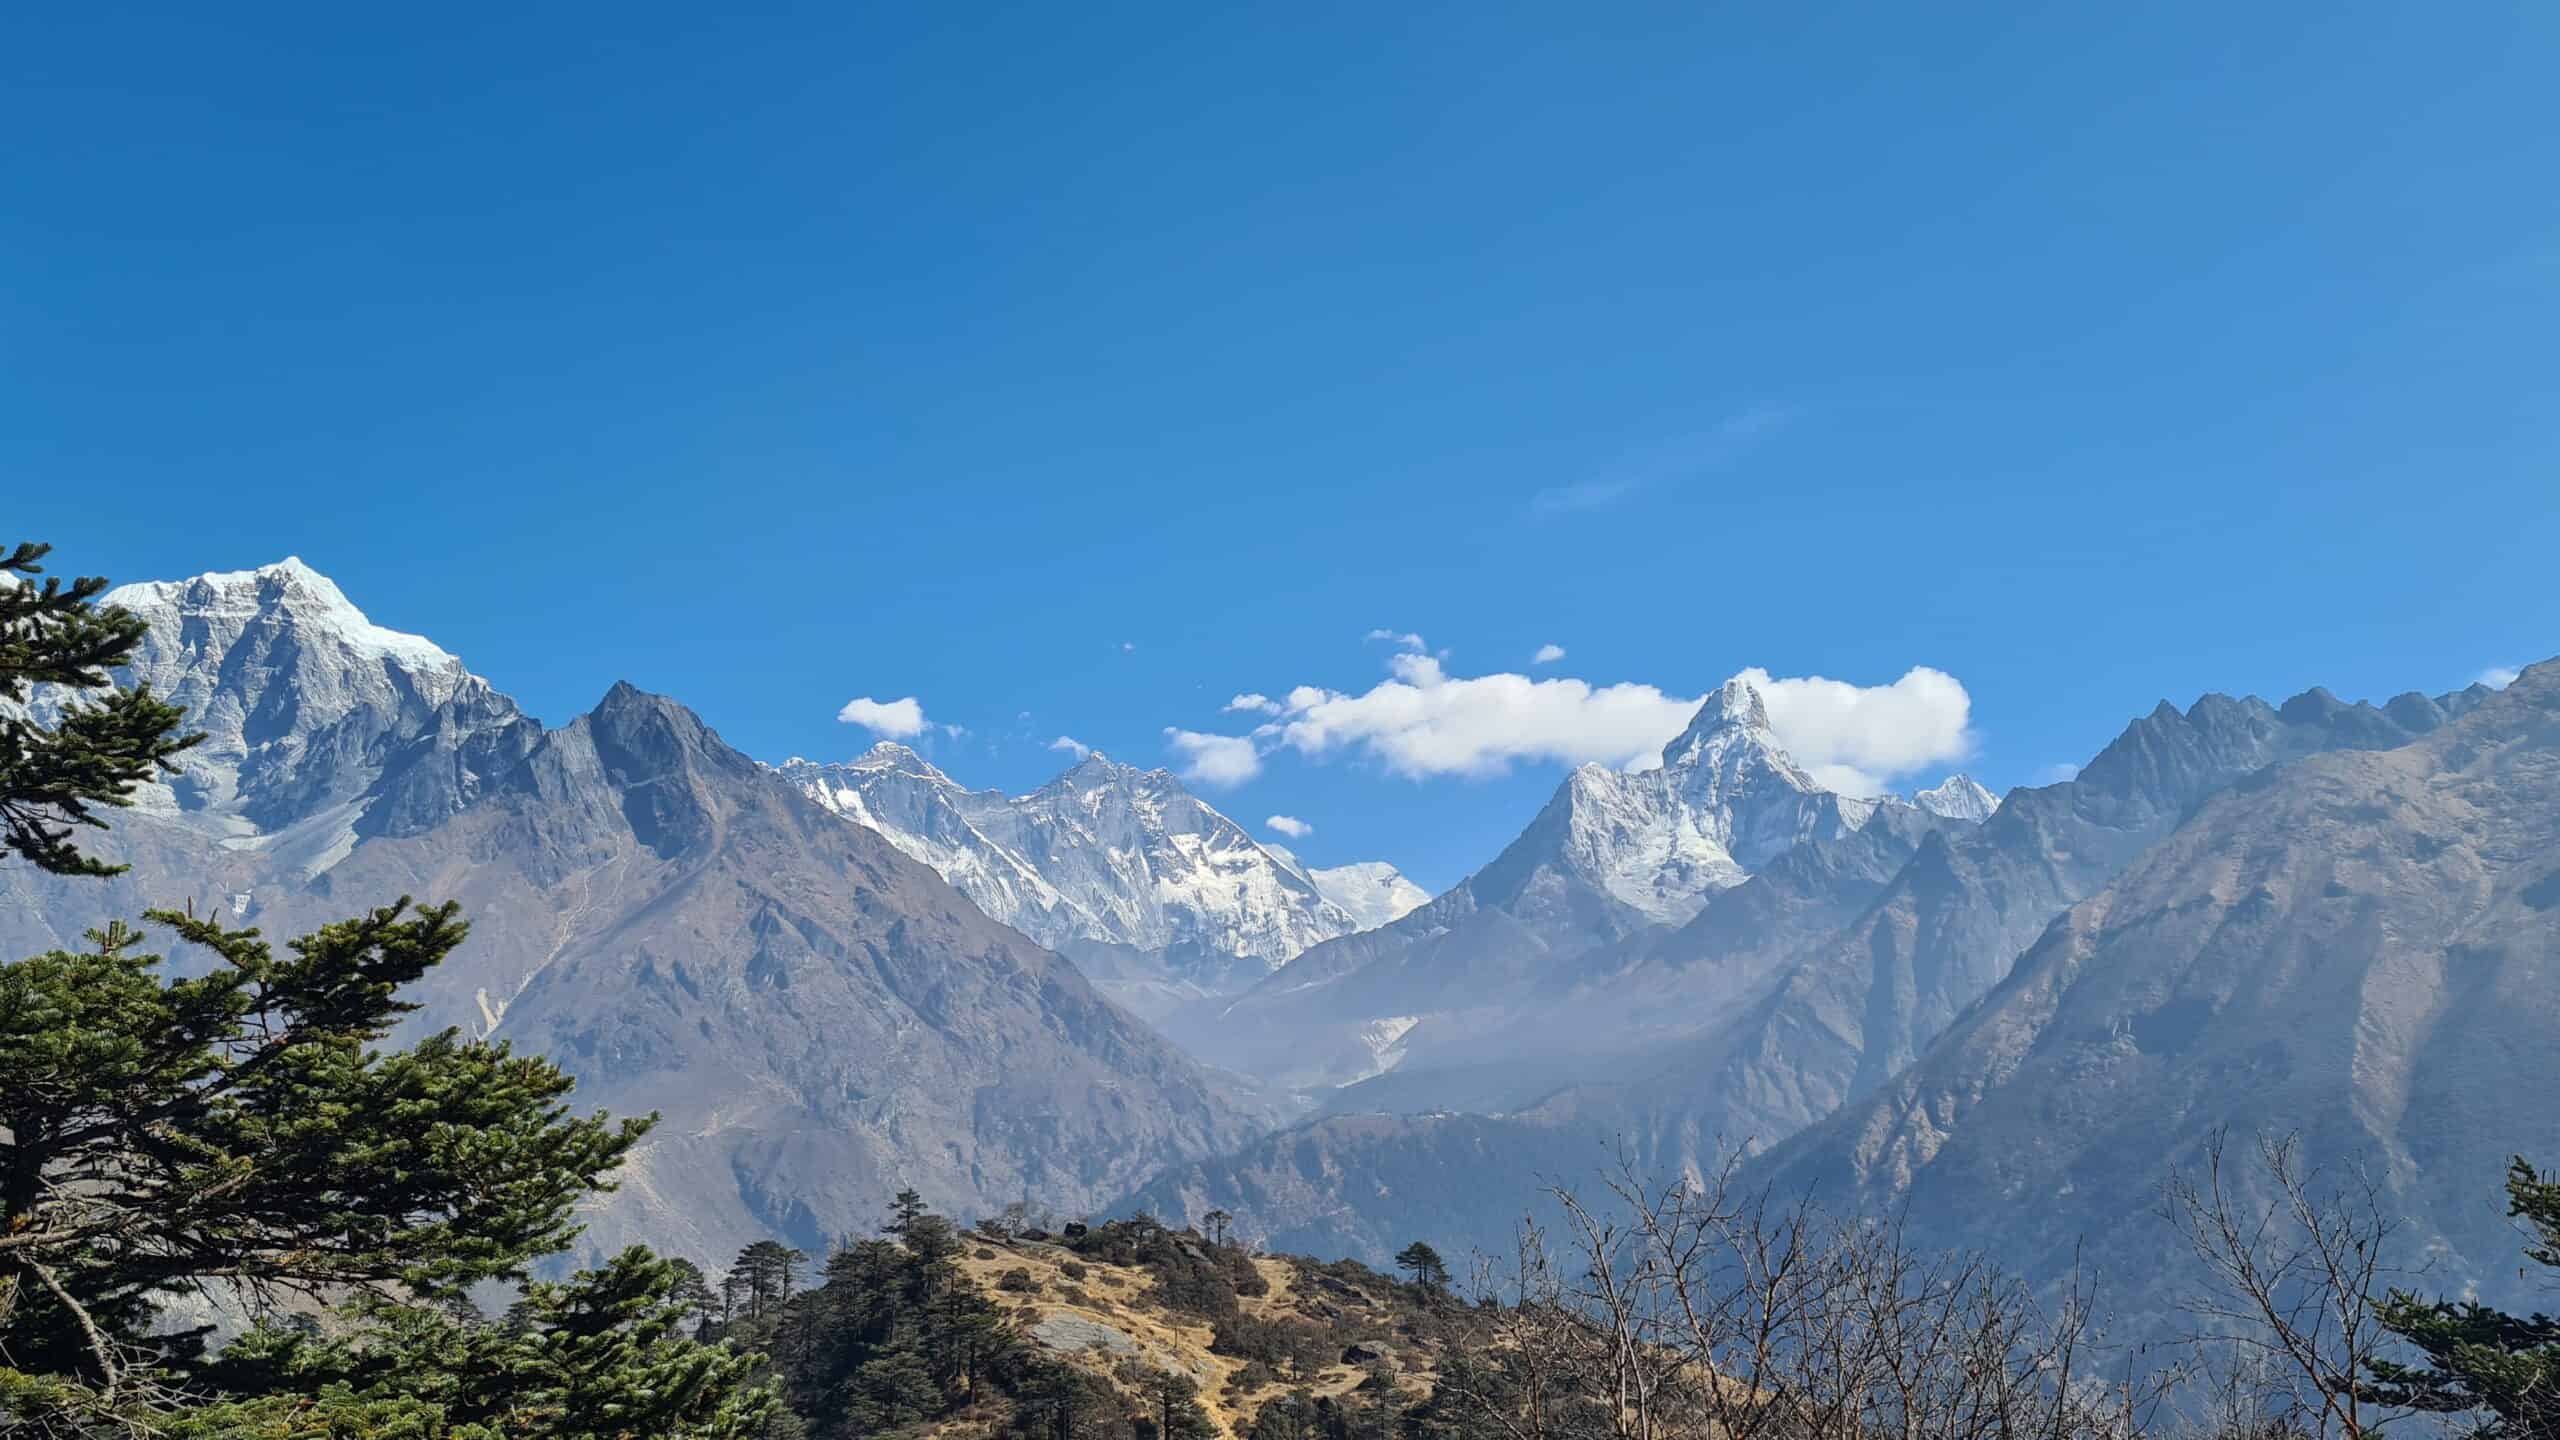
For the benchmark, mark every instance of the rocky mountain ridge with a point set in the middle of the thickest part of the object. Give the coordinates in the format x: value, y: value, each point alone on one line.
x: 1161, y: 898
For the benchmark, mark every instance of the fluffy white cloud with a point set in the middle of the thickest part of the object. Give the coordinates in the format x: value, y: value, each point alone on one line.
x: 1401, y: 639
x: 2499, y: 677
x: 1253, y: 702
x: 1424, y: 722
x: 1547, y: 655
x: 1071, y: 745
x: 1853, y: 738
x: 898, y: 719
x: 1214, y: 759
x: 1291, y: 826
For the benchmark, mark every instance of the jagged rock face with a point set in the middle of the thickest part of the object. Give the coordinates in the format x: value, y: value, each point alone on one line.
x: 1613, y: 856
x: 1162, y: 898
x: 2356, y: 947
x: 319, y: 725
x: 819, y: 1019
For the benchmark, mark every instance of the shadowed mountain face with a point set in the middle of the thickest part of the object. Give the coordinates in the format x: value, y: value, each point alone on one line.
x: 2358, y: 947
x: 1796, y: 992
x: 819, y: 1019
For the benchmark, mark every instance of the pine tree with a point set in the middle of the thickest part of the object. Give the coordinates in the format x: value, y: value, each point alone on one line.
x: 1430, y: 1274
x: 99, y: 750
x: 598, y: 1357
x: 2480, y: 1358
x: 1173, y: 1404
x: 693, y: 1290
x: 241, y: 1126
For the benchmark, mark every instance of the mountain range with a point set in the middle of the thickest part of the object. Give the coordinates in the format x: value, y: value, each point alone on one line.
x: 2005, y: 1018
x: 1155, y: 895
x: 1801, y: 994
x: 819, y: 1020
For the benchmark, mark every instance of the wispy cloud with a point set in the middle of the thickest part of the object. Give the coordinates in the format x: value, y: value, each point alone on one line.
x: 1547, y: 655
x: 1291, y: 826
x: 1401, y: 639
x: 1252, y: 703
x: 1069, y: 744
x: 2499, y: 677
x: 1675, y: 463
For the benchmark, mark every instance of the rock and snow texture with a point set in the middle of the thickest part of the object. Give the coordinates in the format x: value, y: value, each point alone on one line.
x: 1958, y: 797
x: 1107, y: 855
x: 318, y: 723
x: 1613, y: 855
x: 1372, y: 892
x: 1726, y: 800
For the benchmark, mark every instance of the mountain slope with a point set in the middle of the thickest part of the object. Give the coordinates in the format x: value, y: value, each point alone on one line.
x: 1612, y: 857
x: 1797, y: 991
x: 319, y: 725
x: 819, y: 1019
x: 1161, y: 898
x: 2357, y: 946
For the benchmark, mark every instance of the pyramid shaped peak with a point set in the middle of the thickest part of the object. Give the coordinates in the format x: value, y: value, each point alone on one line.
x: 1737, y: 702
x: 1733, y: 712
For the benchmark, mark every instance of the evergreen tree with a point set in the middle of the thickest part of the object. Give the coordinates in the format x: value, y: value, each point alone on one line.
x: 98, y: 750
x: 1288, y: 1417
x: 2484, y: 1359
x: 765, y: 1272
x: 693, y: 1290
x: 1430, y: 1275
x: 1173, y: 1404
x: 239, y: 1126
x: 599, y: 1357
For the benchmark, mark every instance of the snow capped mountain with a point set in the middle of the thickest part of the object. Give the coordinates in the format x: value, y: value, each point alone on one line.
x: 1958, y: 797
x: 1614, y: 855
x: 1158, y: 895
x: 1726, y: 800
x: 319, y: 724
x: 1372, y: 892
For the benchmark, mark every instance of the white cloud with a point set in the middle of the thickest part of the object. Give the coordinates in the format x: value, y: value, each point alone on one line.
x: 1214, y: 759
x: 1424, y: 722
x: 1253, y: 702
x: 898, y: 719
x: 1291, y: 826
x: 1854, y: 738
x: 1401, y: 639
x: 2056, y: 773
x: 1071, y: 745
x: 1547, y: 655
x: 1127, y: 646
x: 2499, y: 677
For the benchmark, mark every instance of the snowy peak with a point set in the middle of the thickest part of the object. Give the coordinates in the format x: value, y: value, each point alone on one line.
x: 314, y: 716
x: 1958, y: 797
x: 1104, y: 862
x: 287, y: 591
x: 1733, y: 718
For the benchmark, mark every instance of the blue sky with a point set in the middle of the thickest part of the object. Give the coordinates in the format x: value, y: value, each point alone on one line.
x: 1101, y: 363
